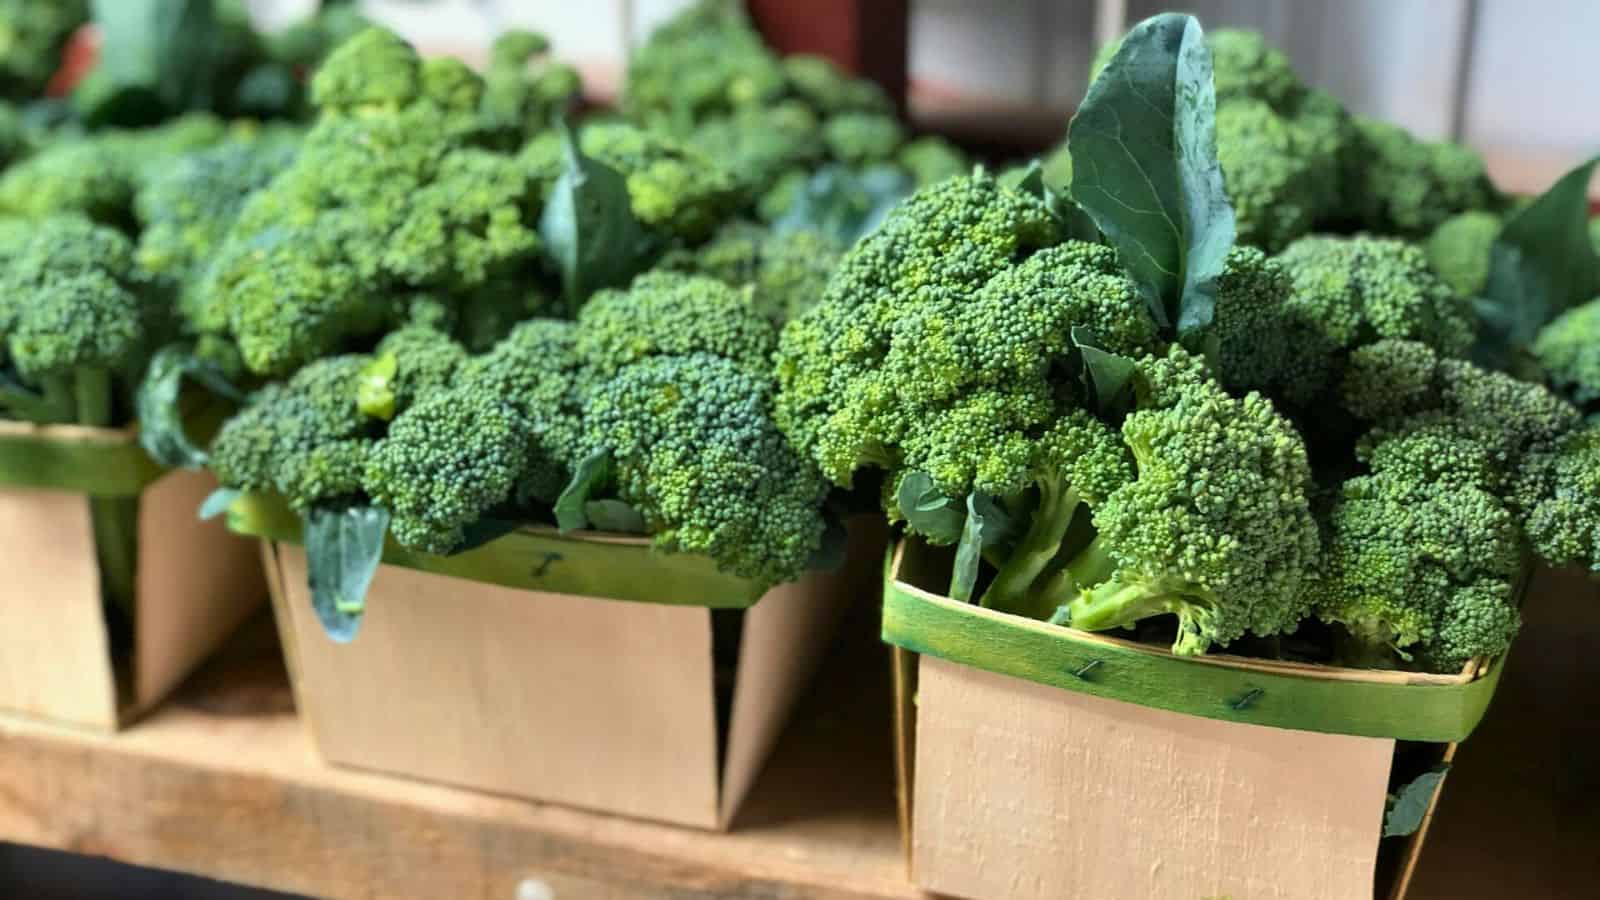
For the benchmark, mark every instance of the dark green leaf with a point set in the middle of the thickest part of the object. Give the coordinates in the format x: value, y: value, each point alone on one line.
x: 1076, y: 222
x: 590, y: 475
x: 217, y: 502
x: 1542, y: 264
x: 160, y: 412
x: 988, y: 524
x: 156, y: 57
x: 614, y: 515
x: 928, y: 510
x: 1407, y: 806
x: 845, y: 203
x: 1144, y: 167
x: 588, y: 225
x: 483, y: 531
x: 27, y: 405
x: 1107, y: 377
x: 343, y: 549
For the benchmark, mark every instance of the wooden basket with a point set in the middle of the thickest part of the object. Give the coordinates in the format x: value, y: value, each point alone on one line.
x: 195, y: 582
x: 1032, y: 756
x: 590, y: 682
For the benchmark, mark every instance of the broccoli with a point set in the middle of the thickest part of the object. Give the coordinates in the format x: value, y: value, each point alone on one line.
x: 515, y: 104
x: 1402, y: 185
x: 785, y: 271
x: 1568, y: 350
x: 304, y: 438
x: 99, y: 175
x: 186, y: 208
x: 829, y: 90
x: 669, y: 314
x: 33, y: 34
x: 705, y: 61
x: 389, y: 195
x: 1560, y: 481
x: 694, y: 450
x: 759, y: 145
x: 409, y: 363
x: 671, y: 187
x: 861, y: 138
x: 1458, y: 250
x: 1289, y: 337
x: 1282, y: 172
x: 933, y: 159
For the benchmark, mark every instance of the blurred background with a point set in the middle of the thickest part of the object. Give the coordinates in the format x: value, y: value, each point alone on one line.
x: 1512, y: 78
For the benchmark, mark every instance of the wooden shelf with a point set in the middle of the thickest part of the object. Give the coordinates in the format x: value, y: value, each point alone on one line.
x: 222, y: 782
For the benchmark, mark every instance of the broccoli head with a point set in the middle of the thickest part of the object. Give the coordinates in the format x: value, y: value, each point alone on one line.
x: 829, y: 89
x: 757, y: 145
x: 1561, y: 481
x: 932, y: 159
x: 857, y: 138
x: 1402, y: 185
x: 786, y: 271
x: 707, y: 60
x: 304, y: 438
x: 1568, y: 349
x: 514, y: 104
x: 408, y: 364
x: 1458, y: 250
x: 694, y: 450
x: 671, y: 187
x: 672, y: 314
x: 1281, y: 171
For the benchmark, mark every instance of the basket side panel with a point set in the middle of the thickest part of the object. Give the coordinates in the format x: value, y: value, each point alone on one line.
x: 574, y: 700
x: 1022, y: 789
x: 197, y: 582
x: 55, y: 654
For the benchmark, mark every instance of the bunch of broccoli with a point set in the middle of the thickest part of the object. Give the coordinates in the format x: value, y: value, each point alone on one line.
x: 655, y: 404
x: 706, y: 77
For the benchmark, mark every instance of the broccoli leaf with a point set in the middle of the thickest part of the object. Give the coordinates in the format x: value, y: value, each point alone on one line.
x: 1406, y: 808
x: 845, y: 203
x: 1107, y: 377
x: 588, y: 225
x: 987, y: 524
x: 160, y: 414
x: 572, y: 507
x: 156, y: 57
x: 217, y: 503
x: 615, y: 516
x: 1144, y: 167
x: 928, y: 510
x: 343, y: 550
x: 1542, y: 264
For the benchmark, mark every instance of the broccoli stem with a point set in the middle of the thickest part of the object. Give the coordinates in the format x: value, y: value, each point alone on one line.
x: 1089, y: 567
x: 1012, y: 588
x: 59, y: 395
x: 115, y: 519
x: 1119, y: 604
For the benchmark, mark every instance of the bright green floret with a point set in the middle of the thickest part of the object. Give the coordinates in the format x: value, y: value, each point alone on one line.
x: 705, y: 61
x: 1400, y: 184
x: 932, y: 159
x: 671, y: 314
x: 694, y: 450
x: 861, y: 138
x: 1458, y: 250
x: 1563, y: 519
x: 786, y: 272
x: 1568, y: 349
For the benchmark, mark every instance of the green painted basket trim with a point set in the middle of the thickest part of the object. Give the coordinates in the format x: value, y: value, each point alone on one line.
x: 542, y: 559
x: 1442, y: 712
x: 95, y: 461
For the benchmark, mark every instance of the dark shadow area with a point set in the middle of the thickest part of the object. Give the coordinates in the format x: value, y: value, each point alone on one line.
x: 52, y: 875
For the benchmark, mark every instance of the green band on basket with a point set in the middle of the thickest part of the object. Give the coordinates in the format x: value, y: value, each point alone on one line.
x: 542, y: 559
x: 1440, y: 709
x: 93, y: 461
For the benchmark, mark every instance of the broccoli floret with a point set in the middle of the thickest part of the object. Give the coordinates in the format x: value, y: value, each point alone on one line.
x: 444, y: 462
x: 1560, y: 481
x: 304, y: 439
x: 304, y: 43
x: 830, y: 90
x: 862, y: 138
x: 408, y: 364
x: 536, y: 370
x: 933, y: 159
x: 758, y: 144
x: 670, y: 314
x: 1419, y: 557
x: 514, y: 104
x: 388, y: 196
x: 1400, y: 184
x: 707, y: 60
x: 1282, y: 172
x: 695, y: 451
x: 99, y: 175
x: 32, y: 35
x: 186, y: 209
x: 1245, y: 66
x: 670, y: 186
x: 785, y: 271
x: 1458, y: 250
x: 1568, y: 349
x: 78, y: 319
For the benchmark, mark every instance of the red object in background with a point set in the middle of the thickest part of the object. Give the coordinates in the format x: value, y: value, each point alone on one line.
x: 866, y: 37
x: 77, y: 58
